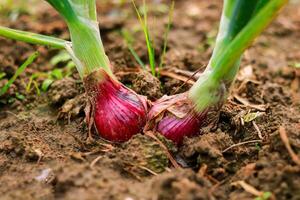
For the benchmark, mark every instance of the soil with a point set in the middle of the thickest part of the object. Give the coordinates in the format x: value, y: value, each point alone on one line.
x: 43, y: 150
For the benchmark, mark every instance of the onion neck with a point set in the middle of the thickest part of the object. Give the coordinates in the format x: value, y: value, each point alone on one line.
x: 245, y: 37
x: 213, y: 86
x: 87, y: 49
x: 99, y: 82
x: 235, y: 15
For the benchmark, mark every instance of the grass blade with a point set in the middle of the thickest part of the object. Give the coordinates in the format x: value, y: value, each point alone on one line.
x: 2, y: 74
x: 128, y: 39
x: 19, y: 71
x: 143, y: 21
x: 171, y: 13
x: 136, y: 56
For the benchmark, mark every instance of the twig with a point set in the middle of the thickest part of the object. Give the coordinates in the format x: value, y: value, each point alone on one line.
x: 287, y: 144
x: 134, y: 175
x: 248, y: 188
x: 82, y: 144
x: 246, y: 103
x: 40, y: 154
x: 11, y: 113
x: 94, y: 162
x: 215, y: 186
x: 141, y: 167
x: 192, y: 75
x: 202, y: 170
x: 173, y: 161
x: 257, y: 130
x: 189, y: 78
x: 241, y: 143
x: 147, y: 169
x: 252, y: 190
x: 91, y: 152
x: 177, y: 76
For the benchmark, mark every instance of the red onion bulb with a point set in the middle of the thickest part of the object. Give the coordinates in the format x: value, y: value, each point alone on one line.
x: 175, y: 117
x: 119, y: 113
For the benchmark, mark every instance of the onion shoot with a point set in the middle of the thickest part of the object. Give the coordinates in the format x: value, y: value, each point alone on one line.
x: 183, y: 115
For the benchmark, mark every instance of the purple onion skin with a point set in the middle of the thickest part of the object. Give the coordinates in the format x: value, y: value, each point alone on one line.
x: 176, y: 129
x: 119, y: 113
x: 175, y: 118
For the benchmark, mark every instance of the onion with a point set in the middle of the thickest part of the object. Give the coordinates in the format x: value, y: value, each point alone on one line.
x: 183, y: 115
x: 175, y: 117
x: 118, y: 112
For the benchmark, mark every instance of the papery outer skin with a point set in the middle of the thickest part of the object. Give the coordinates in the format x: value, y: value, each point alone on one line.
x: 164, y: 103
x: 176, y: 129
x: 119, y: 113
x: 169, y: 118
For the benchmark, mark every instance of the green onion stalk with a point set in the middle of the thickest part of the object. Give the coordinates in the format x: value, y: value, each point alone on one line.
x: 184, y: 114
x: 114, y: 110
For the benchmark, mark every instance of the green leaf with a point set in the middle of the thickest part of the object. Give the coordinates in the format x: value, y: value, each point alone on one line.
x: 251, y: 116
x: 57, y: 74
x: 233, y: 51
x: 87, y: 49
x: 236, y: 14
x: 32, y: 38
x: 70, y: 66
x: 46, y: 83
x: 264, y: 196
x: 2, y: 75
x: 20, y: 96
x: 11, y: 100
x: 28, y: 61
x: 296, y: 65
x: 62, y: 56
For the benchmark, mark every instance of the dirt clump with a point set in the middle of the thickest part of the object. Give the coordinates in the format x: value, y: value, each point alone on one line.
x: 207, y: 150
x: 62, y: 90
x: 146, y: 84
x: 142, y: 155
x: 180, y: 185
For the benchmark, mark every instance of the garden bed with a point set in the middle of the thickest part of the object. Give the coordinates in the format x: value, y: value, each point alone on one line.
x: 43, y: 151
